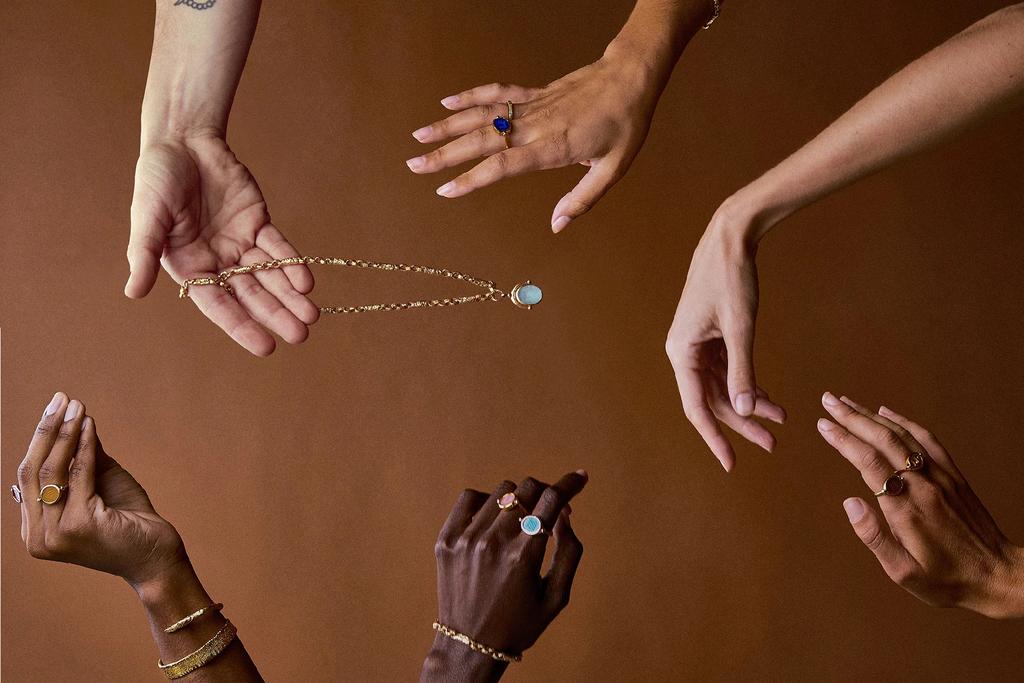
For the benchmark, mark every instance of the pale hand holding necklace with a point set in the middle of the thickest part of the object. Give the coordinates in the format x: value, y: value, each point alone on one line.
x: 523, y: 295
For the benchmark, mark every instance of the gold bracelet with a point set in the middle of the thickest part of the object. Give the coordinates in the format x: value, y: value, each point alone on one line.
x: 203, y: 656
x: 182, y: 623
x: 475, y: 646
x: 714, y: 15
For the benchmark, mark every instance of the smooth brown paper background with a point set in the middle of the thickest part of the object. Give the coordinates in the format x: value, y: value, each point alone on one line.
x: 309, y: 486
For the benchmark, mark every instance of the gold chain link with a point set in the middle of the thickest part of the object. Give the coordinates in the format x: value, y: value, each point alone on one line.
x: 492, y: 293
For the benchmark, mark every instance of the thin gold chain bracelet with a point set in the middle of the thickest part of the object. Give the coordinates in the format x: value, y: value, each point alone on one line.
x: 475, y: 646
x: 523, y: 295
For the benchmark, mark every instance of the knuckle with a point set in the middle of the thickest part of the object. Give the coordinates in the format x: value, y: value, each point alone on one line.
x: 24, y: 471
x: 551, y: 497
x: 36, y: 549
x: 44, y: 429
x: 484, y: 110
x: 485, y: 546
x: 46, y: 472
x: 902, y: 575
x: 443, y: 548
x: 57, y: 544
x: 530, y: 482
x: 873, y: 537
x: 500, y: 163
x: 888, y: 439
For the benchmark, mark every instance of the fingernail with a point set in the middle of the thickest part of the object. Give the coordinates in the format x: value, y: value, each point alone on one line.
x: 850, y: 402
x: 829, y: 399
x: 450, y: 101
x: 583, y: 473
x: 724, y: 466
x: 446, y: 189
x: 744, y: 404
x: 415, y: 164
x: 854, y: 509
x: 824, y: 425
x: 884, y: 412
x: 559, y: 224
x: 72, y: 412
x: 421, y: 133
x: 52, y: 406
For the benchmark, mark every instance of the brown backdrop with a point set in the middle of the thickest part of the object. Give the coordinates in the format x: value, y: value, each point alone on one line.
x: 309, y: 486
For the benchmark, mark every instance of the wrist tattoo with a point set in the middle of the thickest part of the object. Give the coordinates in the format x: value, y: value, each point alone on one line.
x: 196, y: 4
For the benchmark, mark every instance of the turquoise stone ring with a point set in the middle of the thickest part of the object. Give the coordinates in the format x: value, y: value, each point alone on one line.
x: 531, y: 525
x: 526, y: 295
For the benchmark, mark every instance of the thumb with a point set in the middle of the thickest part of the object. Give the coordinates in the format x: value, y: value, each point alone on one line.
x: 592, y: 186
x: 893, y: 557
x: 145, y: 247
x: 739, y: 347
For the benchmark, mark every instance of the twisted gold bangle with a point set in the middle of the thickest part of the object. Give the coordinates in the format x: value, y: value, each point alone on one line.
x: 182, y: 623
x: 475, y: 646
x: 203, y: 656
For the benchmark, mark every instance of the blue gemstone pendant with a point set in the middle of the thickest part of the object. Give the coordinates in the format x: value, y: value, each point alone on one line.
x: 526, y: 295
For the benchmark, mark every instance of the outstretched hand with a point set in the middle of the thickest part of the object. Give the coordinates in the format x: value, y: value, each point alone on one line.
x: 598, y: 116
x: 196, y: 210
x: 937, y: 540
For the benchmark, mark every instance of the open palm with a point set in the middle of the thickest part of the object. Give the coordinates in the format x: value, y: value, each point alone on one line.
x: 197, y: 210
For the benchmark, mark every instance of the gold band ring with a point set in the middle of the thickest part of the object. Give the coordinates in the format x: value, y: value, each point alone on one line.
x: 895, y: 484
x: 511, y: 110
x: 51, y: 494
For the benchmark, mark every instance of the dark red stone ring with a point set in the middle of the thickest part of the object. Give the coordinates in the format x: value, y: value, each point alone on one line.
x: 895, y: 484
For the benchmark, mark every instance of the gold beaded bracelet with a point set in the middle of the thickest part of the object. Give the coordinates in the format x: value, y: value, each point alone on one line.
x: 475, y: 646
x: 203, y: 656
x: 182, y: 623
x: 714, y: 15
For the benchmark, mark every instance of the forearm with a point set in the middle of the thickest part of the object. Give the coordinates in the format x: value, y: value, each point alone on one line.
x: 656, y: 34
x: 197, y: 61
x: 176, y: 594
x: 976, y: 73
x: 452, y: 662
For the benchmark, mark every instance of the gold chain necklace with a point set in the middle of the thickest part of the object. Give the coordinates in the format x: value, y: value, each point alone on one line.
x: 523, y: 295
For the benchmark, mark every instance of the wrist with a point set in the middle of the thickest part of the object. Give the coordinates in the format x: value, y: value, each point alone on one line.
x: 653, y: 39
x: 171, y: 588
x: 449, y: 660
x: 1004, y: 595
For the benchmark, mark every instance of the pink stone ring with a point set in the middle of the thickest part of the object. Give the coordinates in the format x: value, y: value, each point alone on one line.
x: 508, y: 501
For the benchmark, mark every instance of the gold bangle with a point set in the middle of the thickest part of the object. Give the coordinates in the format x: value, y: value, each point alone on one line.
x: 182, y: 623
x: 203, y: 656
x: 714, y: 15
x: 475, y: 646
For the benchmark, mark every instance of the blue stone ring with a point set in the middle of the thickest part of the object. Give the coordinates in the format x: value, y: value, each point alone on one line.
x: 532, y: 526
x: 526, y: 295
x: 503, y: 127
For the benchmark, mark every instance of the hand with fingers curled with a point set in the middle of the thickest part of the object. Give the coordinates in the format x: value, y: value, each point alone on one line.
x: 493, y: 600
x: 937, y: 540
x: 97, y: 515
x: 80, y: 506
x: 598, y: 115
x: 711, y: 342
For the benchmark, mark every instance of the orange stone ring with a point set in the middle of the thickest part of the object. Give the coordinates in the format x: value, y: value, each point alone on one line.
x: 51, y: 494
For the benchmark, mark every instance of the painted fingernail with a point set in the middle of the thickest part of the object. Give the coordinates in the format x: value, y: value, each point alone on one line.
x: 52, y: 406
x: 446, y: 189
x: 421, y: 134
x: 854, y: 509
x: 744, y: 404
x: 559, y: 223
x: 450, y: 101
x: 824, y: 425
x: 829, y: 399
x: 415, y: 164
x: 72, y: 412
